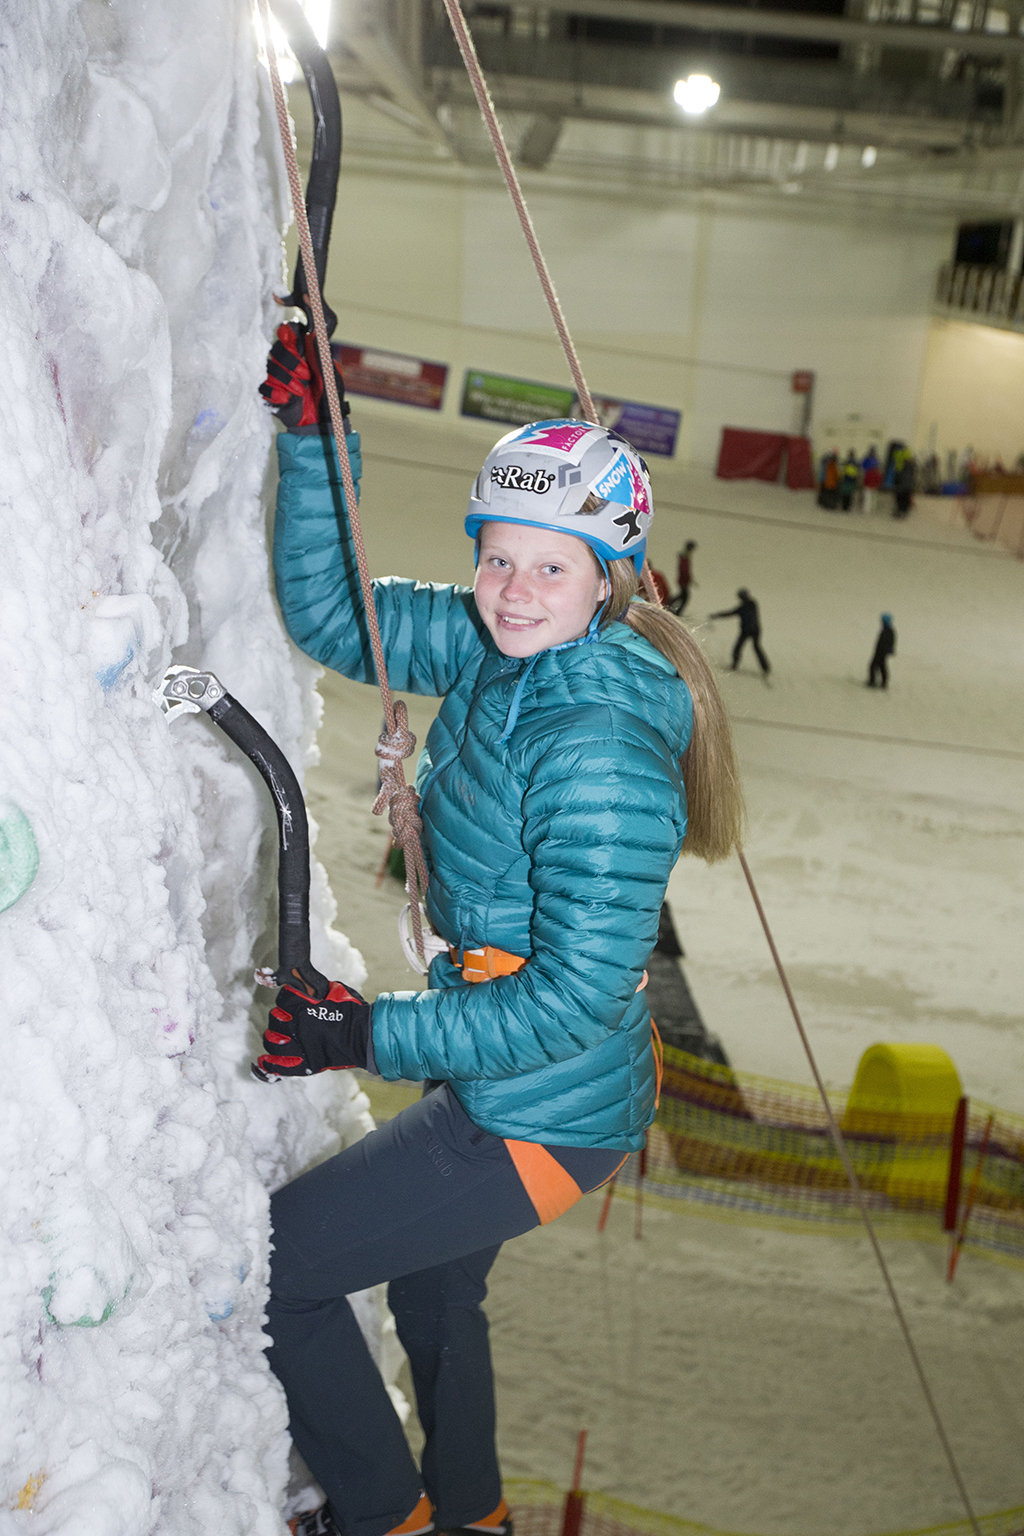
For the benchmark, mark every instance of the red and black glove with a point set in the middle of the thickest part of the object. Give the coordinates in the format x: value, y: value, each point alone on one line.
x: 307, y: 1036
x: 294, y: 386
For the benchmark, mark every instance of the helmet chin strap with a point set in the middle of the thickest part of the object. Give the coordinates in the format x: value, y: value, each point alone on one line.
x: 595, y: 622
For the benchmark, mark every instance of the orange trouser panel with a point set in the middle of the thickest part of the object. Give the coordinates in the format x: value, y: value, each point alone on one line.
x: 551, y: 1190
x: 549, y: 1187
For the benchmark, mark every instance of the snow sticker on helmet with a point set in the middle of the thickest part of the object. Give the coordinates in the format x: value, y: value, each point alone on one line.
x: 617, y: 484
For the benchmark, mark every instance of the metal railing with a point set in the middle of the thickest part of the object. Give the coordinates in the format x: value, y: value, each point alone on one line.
x: 988, y: 295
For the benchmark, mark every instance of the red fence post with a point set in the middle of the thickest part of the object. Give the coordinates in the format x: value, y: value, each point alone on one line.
x: 956, y: 1163
x: 572, y: 1516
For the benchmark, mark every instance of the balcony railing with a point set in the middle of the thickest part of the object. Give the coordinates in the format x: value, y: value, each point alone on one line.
x: 986, y: 295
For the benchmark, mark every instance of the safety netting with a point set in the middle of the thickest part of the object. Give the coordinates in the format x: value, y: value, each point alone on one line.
x: 749, y: 1148
x: 538, y: 1509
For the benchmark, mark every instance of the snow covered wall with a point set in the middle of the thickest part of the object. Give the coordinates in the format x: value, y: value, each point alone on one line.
x: 141, y: 208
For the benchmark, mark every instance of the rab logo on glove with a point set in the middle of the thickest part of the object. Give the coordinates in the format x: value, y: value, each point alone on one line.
x: 307, y: 1036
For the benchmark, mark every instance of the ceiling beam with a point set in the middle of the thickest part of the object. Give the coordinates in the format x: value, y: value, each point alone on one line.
x: 643, y: 109
x: 699, y: 17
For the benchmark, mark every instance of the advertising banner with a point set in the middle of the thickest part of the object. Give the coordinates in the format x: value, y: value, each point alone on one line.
x: 516, y: 402
x: 650, y: 428
x: 393, y: 376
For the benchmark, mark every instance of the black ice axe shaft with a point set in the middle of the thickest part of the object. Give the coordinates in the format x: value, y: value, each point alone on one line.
x: 322, y: 187
x: 185, y: 690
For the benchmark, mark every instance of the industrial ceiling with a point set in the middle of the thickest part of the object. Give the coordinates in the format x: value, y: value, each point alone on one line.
x: 908, y: 107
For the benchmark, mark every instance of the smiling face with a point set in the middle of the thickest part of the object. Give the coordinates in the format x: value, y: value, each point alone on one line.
x: 534, y: 588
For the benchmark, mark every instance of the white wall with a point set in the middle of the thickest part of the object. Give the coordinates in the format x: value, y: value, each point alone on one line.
x: 675, y: 301
x: 972, y: 391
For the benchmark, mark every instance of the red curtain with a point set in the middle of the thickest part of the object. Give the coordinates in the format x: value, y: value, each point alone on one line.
x: 746, y: 455
x: 750, y: 455
x: 799, y: 464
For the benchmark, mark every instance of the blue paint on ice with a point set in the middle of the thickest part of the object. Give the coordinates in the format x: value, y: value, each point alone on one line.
x: 108, y: 676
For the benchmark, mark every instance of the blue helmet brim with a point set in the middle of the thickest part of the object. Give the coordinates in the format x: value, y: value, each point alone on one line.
x: 637, y: 553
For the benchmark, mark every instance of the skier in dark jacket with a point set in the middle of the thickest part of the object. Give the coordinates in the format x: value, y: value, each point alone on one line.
x: 750, y: 629
x: 849, y: 480
x: 904, y: 479
x: 885, y: 646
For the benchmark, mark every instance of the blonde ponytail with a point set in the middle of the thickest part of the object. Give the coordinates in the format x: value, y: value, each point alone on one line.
x: 714, y: 797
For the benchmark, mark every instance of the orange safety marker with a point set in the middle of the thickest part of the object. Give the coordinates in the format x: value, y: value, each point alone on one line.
x: 956, y: 1166
x: 638, y: 1219
x: 575, y: 1499
x: 382, y: 871
x: 954, y: 1254
x: 606, y: 1205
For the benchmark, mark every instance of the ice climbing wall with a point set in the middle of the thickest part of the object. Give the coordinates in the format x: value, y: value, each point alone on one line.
x: 141, y: 205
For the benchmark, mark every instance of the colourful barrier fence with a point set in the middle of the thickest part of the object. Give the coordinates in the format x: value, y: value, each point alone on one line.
x: 538, y: 1510
x: 751, y: 1148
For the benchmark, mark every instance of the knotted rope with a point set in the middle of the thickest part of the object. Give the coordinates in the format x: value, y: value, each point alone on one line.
x: 397, y: 741
x: 398, y: 798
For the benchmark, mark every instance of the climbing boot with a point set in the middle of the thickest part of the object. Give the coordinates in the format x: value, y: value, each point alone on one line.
x: 321, y: 1522
x: 498, y: 1523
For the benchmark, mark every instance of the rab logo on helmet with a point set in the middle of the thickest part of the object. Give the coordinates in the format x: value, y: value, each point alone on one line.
x: 512, y: 477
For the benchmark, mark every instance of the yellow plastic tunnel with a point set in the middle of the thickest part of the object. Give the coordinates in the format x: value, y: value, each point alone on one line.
x: 906, y: 1094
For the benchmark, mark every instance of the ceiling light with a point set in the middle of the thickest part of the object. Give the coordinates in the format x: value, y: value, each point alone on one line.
x: 696, y: 94
x: 831, y: 157
x: 868, y: 156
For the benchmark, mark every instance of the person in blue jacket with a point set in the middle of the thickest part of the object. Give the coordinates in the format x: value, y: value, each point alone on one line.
x: 580, y: 746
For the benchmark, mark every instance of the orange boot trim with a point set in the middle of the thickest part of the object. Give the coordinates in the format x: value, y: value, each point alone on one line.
x: 495, y: 1521
x: 420, y: 1521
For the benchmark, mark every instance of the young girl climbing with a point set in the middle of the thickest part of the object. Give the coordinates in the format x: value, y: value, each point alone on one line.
x: 581, y: 745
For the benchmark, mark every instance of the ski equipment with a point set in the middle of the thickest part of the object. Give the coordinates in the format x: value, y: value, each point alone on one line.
x: 306, y: 1036
x: 186, y: 691
x: 572, y: 477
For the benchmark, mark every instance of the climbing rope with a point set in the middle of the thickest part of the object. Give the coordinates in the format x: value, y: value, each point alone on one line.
x: 483, y: 96
x: 858, y: 1194
x: 481, y: 91
x: 397, y: 741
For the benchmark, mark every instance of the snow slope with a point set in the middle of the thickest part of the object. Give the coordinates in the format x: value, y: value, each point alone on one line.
x: 140, y: 244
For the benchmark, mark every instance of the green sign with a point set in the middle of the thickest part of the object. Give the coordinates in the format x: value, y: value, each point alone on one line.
x: 517, y: 401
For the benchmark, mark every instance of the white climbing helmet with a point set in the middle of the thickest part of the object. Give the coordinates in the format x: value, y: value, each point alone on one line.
x: 572, y: 477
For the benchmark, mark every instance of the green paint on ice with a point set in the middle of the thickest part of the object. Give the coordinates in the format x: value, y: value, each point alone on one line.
x: 19, y: 856
x: 87, y: 1288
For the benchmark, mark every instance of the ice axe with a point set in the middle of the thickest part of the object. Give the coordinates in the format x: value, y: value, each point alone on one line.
x: 186, y: 691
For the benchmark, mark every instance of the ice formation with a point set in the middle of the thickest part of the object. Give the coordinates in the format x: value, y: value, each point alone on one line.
x: 141, y: 207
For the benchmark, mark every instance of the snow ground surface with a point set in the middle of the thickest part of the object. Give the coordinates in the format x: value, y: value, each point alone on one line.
x: 140, y: 245
x: 752, y: 1380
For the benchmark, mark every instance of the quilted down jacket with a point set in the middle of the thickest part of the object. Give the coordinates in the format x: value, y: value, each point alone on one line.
x: 553, y: 812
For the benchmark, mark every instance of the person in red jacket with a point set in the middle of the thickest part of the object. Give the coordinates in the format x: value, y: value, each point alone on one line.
x: 684, y: 577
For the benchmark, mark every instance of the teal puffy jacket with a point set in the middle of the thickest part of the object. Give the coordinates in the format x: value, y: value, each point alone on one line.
x: 553, y: 840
